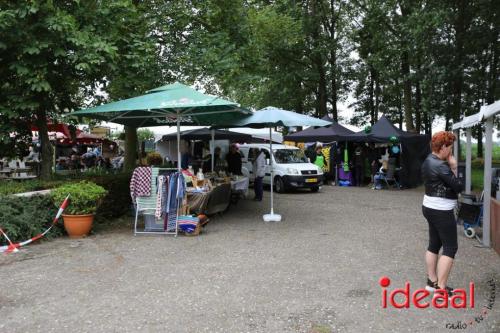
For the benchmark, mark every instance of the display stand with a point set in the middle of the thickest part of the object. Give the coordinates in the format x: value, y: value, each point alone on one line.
x: 147, y: 206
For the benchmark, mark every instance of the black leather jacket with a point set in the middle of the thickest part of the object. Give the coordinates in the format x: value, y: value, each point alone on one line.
x: 439, y: 180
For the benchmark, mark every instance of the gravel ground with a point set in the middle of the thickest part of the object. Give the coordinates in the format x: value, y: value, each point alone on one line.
x: 317, y: 271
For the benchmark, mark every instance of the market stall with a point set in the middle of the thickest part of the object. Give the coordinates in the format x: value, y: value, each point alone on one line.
x: 174, y: 104
x: 198, y: 141
x: 410, y: 149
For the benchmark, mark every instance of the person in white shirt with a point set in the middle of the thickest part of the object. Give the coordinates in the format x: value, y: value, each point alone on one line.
x: 259, y: 169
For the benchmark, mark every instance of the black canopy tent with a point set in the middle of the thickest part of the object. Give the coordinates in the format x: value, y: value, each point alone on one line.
x: 333, y: 132
x: 414, y: 148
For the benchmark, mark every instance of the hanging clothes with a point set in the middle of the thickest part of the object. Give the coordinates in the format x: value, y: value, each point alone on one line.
x: 176, y: 190
x: 346, y: 160
x: 159, y: 195
x: 140, y: 183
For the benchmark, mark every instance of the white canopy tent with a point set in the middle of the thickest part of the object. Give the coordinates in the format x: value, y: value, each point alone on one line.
x: 486, y: 114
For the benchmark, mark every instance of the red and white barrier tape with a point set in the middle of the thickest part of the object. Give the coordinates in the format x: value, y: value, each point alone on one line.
x: 13, y: 247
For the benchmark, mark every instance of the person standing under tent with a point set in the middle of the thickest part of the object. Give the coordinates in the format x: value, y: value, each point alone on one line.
x: 442, y: 187
x: 318, y: 158
x: 233, y: 159
x: 373, y: 157
x: 259, y: 170
x: 359, y: 161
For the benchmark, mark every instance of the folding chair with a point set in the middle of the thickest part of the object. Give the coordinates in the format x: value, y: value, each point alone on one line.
x: 389, y: 176
x: 147, y: 207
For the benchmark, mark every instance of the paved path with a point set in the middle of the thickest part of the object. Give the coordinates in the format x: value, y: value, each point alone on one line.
x: 317, y: 271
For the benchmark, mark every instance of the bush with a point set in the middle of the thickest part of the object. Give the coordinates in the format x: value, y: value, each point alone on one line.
x: 85, y: 197
x: 10, y: 187
x: 117, y: 202
x: 478, y: 163
x: 154, y: 159
x: 22, y: 218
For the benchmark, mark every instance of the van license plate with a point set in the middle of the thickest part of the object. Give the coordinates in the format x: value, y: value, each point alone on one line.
x: 311, y: 180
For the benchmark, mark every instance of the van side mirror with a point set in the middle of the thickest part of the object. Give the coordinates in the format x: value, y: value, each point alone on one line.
x: 268, y: 161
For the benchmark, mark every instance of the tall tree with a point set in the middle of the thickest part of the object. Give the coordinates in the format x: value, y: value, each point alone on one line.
x: 67, y: 50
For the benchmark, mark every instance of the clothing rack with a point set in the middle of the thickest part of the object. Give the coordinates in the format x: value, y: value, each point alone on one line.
x: 148, y: 204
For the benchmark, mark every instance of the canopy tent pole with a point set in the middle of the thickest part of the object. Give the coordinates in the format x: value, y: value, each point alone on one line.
x: 468, y: 159
x: 272, y: 167
x: 488, y: 149
x: 271, y: 217
x: 178, y: 141
x: 212, y: 148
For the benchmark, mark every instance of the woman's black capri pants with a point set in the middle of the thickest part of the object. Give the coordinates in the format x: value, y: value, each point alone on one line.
x: 442, y: 231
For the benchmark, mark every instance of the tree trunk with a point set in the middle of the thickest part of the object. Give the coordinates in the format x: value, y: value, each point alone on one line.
x: 479, y: 136
x: 460, y: 28
x: 447, y: 118
x: 427, y: 125
x: 333, y: 65
x: 130, y: 148
x: 377, y: 98
x: 399, y: 106
x: 333, y: 60
x: 322, y: 98
x: 418, y: 107
x: 405, y: 73
x: 47, y: 151
x: 371, y: 94
x: 418, y: 99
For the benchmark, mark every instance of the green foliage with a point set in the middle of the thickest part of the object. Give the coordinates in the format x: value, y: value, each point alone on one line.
x: 145, y: 134
x: 54, y: 56
x: 117, y: 201
x: 85, y: 197
x: 117, y: 135
x: 495, y: 153
x: 154, y: 158
x: 9, y: 187
x: 22, y: 218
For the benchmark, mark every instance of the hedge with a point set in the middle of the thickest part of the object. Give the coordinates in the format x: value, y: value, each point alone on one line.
x: 22, y: 218
x: 117, y: 202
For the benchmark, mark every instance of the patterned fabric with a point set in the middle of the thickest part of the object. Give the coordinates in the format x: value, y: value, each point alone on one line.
x: 159, y: 195
x: 188, y: 223
x: 326, y: 154
x: 140, y: 183
x: 173, y: 193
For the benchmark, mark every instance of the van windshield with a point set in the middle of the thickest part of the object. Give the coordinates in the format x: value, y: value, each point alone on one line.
x: 287, y: 156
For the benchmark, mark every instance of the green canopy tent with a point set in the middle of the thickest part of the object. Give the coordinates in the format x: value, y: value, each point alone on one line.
x: 173, y: 104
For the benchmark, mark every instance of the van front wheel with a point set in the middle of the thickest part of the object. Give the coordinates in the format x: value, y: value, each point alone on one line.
x: 279, y: 185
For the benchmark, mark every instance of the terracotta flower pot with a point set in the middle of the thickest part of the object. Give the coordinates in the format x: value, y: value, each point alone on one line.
x: 78, y: 226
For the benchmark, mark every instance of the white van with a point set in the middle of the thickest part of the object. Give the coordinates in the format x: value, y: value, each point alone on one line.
x: 292, y: 168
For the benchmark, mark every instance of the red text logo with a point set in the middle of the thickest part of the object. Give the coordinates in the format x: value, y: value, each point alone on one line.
x: 405, y: 297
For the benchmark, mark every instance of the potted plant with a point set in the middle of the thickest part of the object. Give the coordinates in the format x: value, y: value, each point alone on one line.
x: 85, y: 197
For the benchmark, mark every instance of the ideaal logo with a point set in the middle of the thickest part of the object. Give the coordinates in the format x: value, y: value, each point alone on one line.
x: 470, y: 323
x: 440, y: 300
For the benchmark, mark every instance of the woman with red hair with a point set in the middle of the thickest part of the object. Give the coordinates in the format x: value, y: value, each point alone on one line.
x: 442, y: 187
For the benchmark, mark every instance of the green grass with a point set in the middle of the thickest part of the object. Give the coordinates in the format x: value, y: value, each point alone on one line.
x: 478, y: 164
x: 463, y: 146
x: 477, y: 176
